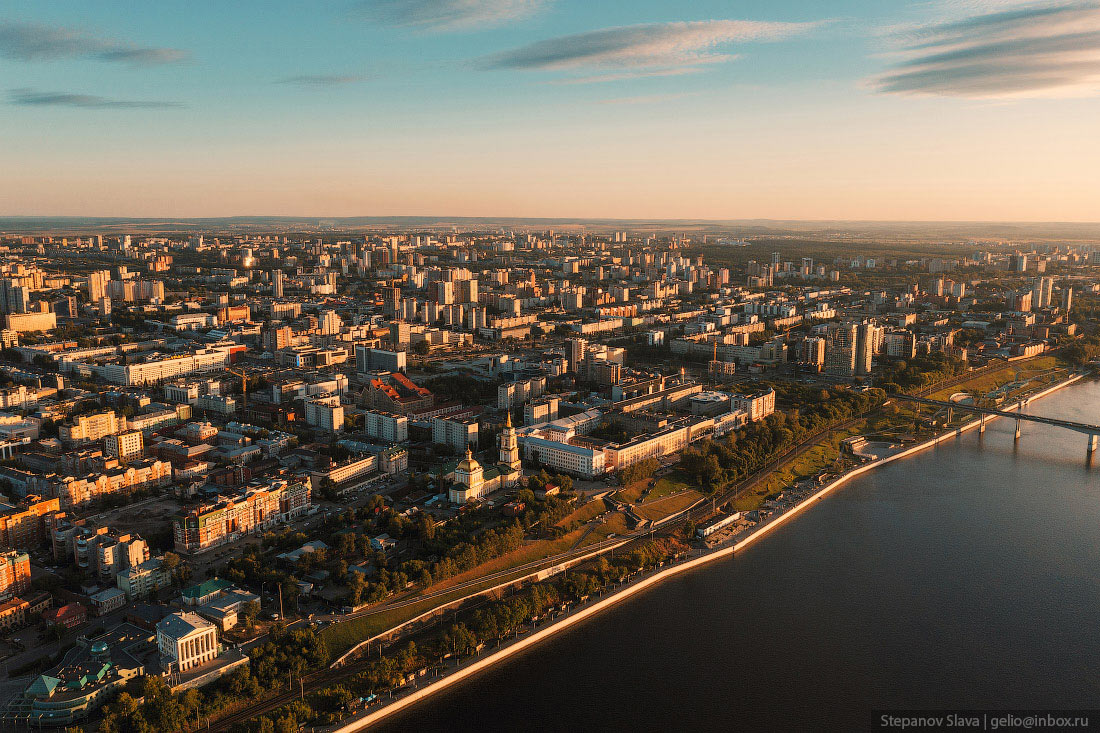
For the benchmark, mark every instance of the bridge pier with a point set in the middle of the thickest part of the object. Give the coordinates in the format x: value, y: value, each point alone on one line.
x: 1016, y: 413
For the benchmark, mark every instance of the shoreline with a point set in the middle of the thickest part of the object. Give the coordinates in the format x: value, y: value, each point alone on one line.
x: 620, y: 595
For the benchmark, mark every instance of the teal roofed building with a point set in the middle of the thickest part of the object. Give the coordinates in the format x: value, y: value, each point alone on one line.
x: 43, y: 686
x: 206, y: 591
x: 89, y: 675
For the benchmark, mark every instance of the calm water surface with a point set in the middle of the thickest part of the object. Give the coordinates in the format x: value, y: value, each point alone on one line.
x: 968, y: 576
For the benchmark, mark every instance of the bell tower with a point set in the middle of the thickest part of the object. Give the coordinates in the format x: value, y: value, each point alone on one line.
x: 509, y: 445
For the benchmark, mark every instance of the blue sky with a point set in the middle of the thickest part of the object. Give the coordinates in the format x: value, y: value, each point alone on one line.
x: 949, y: 109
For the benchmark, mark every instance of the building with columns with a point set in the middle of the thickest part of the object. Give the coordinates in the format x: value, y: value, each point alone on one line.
x: 186, y: 640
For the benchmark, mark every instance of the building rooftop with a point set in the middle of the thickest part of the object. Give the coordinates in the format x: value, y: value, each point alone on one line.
x: 205, y: 588
x: 179, y: 625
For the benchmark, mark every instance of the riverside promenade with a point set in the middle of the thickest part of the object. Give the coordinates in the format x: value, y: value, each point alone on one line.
x: 641, y: 582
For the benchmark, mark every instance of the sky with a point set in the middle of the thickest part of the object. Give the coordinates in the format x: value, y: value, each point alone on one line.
x: 942, y: 110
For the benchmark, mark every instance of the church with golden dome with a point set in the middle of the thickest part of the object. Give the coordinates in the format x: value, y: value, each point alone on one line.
x: 472, y: 481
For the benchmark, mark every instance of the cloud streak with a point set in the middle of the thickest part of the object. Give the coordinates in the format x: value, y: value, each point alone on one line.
x: 322, y: 80
x: 652, y: 49
x: 646, y: 99
x: 30, y: 42
x: 1038, y: 50
x: 448, y: 15
x: 31, y: 98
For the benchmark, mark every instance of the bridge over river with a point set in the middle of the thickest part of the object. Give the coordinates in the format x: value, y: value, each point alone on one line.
x: 1092, y: 431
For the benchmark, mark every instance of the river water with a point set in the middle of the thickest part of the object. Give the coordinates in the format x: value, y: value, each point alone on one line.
x: 965, y: 577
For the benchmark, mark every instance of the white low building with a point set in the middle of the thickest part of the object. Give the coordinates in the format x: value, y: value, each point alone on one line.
x: 186, y: 640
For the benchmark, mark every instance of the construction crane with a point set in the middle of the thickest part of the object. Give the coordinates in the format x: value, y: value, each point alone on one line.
x: 244, y: 386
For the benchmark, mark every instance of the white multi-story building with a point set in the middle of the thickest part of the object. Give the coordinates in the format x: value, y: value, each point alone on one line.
x: 186, y: 640
x: 368, y: 359
x: 158, y: 370
x: 517, y: 393
x: 388, y: 426
x: 841, y: 349
x: 125, y: 446
x: 89, y: 428
x: 329, y: 323
x: 18, y: 397
x: 560, y: 455
x: 325, y: 412
x: 191, y: 321
x: 901, y: 344
x: 456, y: 433
x: 219, y: 404
x: 540, y: 411
x: 662, y: 443
x: 187, y: 392
x: 142, y: 581
x: 344, y: 473
x: 756, y: 406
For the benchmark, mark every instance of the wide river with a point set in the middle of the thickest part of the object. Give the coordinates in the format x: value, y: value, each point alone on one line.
x: 965, y: 577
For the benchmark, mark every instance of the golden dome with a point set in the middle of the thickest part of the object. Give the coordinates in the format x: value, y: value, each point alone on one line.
x: 468, y: 464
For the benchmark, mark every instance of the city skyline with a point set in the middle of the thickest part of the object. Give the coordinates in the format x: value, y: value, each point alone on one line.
x: 537, y: 108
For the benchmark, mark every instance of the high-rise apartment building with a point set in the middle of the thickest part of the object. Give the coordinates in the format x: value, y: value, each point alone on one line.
x: 14, y: 297
x: 15, y: 573
x: 125, y: 446
x: 840, y: 349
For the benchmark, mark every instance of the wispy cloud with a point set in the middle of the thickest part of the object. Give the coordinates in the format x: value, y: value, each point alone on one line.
x: 31, y: 98
x: 653, y: 49
x: 647, y: 99
x: 1037, y: 49
x: 322, y: 80
x: 29, y: 42
x: 623, y: 75
x: 448, y: 15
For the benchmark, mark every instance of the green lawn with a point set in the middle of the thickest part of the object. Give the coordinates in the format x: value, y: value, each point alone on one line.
x: 661, y: 508
x: 989, y: 382
x: 615, y: 524
x: 585, y: 513
x: 633, y: 492
x: 673, y: 483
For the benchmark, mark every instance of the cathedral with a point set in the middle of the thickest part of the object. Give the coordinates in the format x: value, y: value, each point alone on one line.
x: 472, y: 481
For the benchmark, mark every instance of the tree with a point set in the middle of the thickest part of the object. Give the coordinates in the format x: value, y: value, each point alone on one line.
x: 191, y: 702
x: 357, y: 585
x: 1075, y: 354
x: 425, y: 528
x: 289, y: 724
x: 249, y: 613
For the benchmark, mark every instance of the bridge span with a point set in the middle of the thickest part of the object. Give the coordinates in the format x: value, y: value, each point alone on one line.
x: 1092, y: 431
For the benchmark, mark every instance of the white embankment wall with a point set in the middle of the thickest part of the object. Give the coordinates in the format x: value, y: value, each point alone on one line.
x: 535, y: 637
